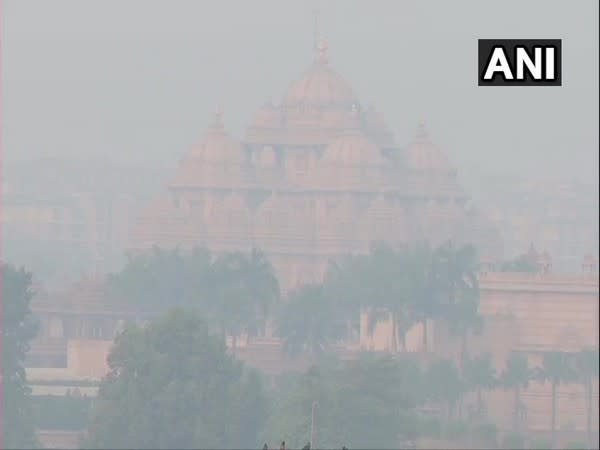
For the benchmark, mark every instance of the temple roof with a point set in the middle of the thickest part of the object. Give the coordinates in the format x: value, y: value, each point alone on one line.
x: 353, y: 148
x: 217, y: 146
x: 320, y: 86
x: 216, y: 158
x: 423, y: 154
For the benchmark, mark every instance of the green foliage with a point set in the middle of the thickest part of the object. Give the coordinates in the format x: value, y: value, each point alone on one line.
x: 517, y: 373
x: 516, y: 376
x: 479, y: 374
x: 68, y: 412
x: 236, y: 291
x: 172, y: 385
x: 164, y: 279
x: 587, y: 364
x: 557, y: 368
x: 18, y: 328
x: 514, y: 441
x: 243, y: 291
x: 445, y: 384
x: 586, y: 368
x: 308, y: 322
x: 456, y: 430
x: 368, y: 403
x: 539, y: 444
x: 409, y: 285
x: 487, y: 432
x: 575, y: 445
x: 522, y: 263
x: 430, y: 427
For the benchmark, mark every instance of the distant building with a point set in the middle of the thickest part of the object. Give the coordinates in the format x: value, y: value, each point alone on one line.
x: 560, y: 216
x: 317, y: 176
x: 63, y: 218
x: 530, y: 313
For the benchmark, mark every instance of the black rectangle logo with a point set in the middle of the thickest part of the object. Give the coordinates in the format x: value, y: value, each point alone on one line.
x: 519, y: 62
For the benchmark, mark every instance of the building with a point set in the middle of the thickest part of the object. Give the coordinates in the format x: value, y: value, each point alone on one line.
x: 76, y: 330
x: 558, y: 215
x: 317, y: 176
x: 530, y: 313
x: 67, y: 218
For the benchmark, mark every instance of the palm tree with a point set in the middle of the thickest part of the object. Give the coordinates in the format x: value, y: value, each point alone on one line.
x: 344, y: 285
x: 261, y: 284
x: 457, y: 291
x: 557, y: 368
x: 244, y: 289
x: 308, y: 323
x: 516, y: 376
x: 480, y: 374
x: 586, y: 365
x: 384, y: 283
x: 425, y: 299
x: 445, y: 384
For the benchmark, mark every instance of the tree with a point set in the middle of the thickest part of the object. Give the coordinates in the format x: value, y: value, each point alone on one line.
x: 364, y: 403
x: 18, y: 328
x: 480, y: 375
x: 308, y: 322
x: 457, y: 290
x: 163, y: 279
x: 522, y: 263
x: 445, y: 385
x: 262, y: 285
x: 245, y: 289
x: 236, y: 291
x: 557, y: 368
x: 388, y: 283
x: 420, y: 279
x: 516, y: 376
x: 172, y: 385
x: 586, y: 365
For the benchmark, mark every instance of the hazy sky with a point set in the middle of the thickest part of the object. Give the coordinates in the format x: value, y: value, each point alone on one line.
x: 138, y: 80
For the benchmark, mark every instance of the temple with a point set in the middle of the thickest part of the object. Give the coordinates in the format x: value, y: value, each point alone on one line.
x: 316, y: 177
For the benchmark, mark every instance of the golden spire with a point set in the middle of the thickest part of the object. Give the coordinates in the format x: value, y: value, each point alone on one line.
x: 322, y: 51
x: 316, y: 36
x: 421, y: 130
x: 218, y: 118
x: 319, y: 44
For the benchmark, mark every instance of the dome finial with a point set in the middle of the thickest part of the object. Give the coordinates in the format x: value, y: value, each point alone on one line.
x: 319, y: 44
x: 218, y: 119
x: 322, y: 51
x: 316, y: 36
x: 421, y: 130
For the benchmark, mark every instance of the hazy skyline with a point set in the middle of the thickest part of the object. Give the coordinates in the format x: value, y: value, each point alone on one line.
x: 139, y: 80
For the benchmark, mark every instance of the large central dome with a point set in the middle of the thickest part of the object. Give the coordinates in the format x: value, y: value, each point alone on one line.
x: 320, y: 86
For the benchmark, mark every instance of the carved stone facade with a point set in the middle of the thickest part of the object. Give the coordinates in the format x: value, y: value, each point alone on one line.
x: 316, y: 177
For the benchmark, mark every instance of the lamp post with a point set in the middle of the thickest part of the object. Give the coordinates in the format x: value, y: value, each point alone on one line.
x: 313, y: 421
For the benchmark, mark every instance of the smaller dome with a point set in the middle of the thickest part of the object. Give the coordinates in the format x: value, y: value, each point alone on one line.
x: 217, y: 147
x: 377, y: 127
x: 353, y: 149
x: 423, y: 154
x: 268, y: 116
x: 320, y: 86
